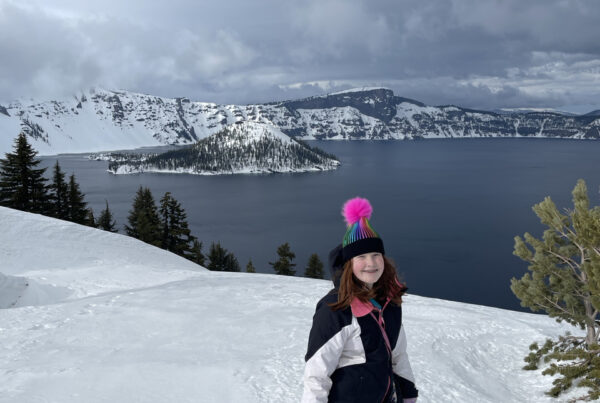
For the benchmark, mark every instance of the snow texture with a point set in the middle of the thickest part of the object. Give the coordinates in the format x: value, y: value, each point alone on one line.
x: 106, y: 318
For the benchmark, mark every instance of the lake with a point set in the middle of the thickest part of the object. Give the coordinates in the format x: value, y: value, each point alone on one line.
x: 447, y: 210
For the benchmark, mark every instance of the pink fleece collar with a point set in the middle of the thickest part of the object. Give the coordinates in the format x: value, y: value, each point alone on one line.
x: 360, y: 308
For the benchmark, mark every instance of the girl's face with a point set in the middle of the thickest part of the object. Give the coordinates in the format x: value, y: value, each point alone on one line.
x: 368, y: 267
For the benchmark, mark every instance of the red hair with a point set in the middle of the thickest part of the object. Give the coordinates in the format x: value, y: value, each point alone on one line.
x: 388, y: 286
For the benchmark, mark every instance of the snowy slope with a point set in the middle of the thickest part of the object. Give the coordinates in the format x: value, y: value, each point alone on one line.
x: 138, y: 324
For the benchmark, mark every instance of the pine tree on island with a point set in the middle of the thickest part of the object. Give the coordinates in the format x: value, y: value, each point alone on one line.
x: 59, y: 194
x: 314, y: 269
x: 106, y: 221
x: 284, y: 265
x: 22, y: 185
x: 564, y: 282
x: 143, y: 219
x: 78, y: 213
x: 250, y: 267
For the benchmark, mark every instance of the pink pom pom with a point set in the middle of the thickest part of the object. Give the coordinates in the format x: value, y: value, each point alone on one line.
x: 355, y: 209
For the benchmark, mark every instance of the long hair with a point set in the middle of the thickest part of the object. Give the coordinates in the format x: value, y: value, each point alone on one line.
x: 351, y: 287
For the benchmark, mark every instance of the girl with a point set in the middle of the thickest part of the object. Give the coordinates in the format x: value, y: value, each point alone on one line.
x: 357, y: 346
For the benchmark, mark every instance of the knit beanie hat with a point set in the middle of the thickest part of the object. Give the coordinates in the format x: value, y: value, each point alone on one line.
x: 360, y: 237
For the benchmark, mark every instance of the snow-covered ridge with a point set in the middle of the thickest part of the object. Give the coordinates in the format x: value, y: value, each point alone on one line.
x: 358, y: 89
x: 144, y: 325
x: 244, y: 147
x: 100, y: 120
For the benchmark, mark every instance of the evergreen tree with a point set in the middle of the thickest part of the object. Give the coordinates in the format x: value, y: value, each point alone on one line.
x: 284, y: 265
x: 143, y: 219
x: 196, y: 254
x: 565, y: 283
x: 176, y: 236
x: 231, y: 263
x: 216, y: 257
x: 22, y: 185
x: 90, y: 220
x: 315, y: 267
x: 221, y: 260
x: 59, y: 194
x: 106, y: 220
x: 250, y: 267
x: 78, y: 213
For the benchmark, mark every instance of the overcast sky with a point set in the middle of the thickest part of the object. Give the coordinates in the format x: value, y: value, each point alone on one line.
x: 472, y: 53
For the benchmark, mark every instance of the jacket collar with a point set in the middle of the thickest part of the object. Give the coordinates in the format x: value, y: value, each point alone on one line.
x: 360, y: 308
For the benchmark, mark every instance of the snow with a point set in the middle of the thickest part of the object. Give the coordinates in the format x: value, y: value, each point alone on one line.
x: 407, y: 111
x: 256, y: 131
x: 116, y: 320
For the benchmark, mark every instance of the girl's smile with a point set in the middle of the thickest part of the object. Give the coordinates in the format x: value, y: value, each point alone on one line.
x: 368, y: 267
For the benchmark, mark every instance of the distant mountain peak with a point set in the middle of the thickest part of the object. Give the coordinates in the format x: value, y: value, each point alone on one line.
x: 532, y: 110
x: 376, y: 102
x: 593, y: 113
x: 359, y: 89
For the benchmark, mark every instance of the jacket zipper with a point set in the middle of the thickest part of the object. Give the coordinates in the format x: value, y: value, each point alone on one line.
x: 386, y: 341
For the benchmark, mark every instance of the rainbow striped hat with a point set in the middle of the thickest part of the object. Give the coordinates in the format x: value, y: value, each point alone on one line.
x: 360, y: 236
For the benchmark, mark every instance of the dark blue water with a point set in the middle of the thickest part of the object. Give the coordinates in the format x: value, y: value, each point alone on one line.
x: 447, y: 210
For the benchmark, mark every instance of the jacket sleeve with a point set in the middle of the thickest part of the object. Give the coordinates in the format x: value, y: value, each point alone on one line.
x: 325, y: 345
x: 405, y: 380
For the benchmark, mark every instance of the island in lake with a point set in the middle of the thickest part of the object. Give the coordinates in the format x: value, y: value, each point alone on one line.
x: 245, y: 147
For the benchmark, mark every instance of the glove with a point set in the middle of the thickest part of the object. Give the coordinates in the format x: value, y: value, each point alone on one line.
x: 411, y: 400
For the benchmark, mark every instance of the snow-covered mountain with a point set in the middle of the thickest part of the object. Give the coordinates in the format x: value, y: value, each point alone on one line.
x: 101, y: 120
x: 93, y: 316
x: 593, y: 113
x: 244, y: 147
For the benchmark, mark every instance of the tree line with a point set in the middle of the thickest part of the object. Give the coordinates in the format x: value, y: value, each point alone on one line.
x: 23, y: 186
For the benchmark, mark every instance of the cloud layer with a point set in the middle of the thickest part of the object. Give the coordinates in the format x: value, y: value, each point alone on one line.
x: 476, y: 54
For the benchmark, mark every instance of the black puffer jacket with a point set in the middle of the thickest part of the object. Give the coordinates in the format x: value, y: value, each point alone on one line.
x: 348, y: 359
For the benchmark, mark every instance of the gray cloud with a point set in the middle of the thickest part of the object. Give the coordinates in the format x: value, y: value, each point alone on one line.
x: 466, y: 52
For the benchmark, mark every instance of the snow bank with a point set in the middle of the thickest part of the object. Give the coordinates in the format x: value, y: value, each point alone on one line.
x: 21, y: 291
x: 143, y: 325
x: 86, y: 260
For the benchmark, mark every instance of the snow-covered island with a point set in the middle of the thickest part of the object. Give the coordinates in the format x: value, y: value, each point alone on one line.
x: 91, y: 316
x: 244, y: 147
